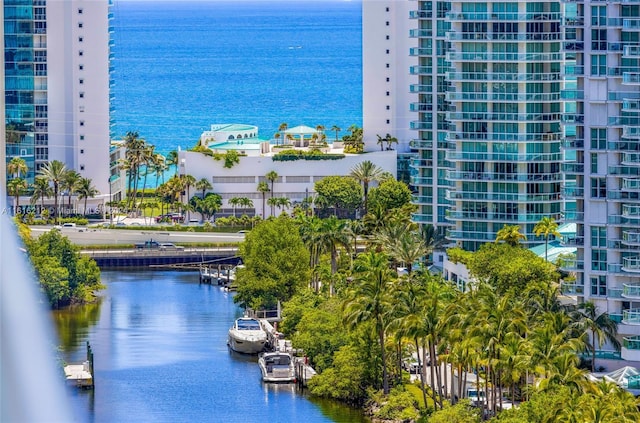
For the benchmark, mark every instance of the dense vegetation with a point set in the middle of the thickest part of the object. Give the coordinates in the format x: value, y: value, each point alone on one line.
x: 357, y: 319
x: 65, y: 276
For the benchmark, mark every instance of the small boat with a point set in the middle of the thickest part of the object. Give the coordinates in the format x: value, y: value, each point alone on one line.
x: 277, y: 367
x: 247, y: 336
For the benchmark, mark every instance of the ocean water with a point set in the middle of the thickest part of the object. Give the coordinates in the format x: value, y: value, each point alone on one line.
x: 180, y: 66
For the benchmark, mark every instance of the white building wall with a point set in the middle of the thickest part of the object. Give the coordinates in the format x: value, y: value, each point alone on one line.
x: 385, y: 72
x: 296, y: 178
x: 78, y: 87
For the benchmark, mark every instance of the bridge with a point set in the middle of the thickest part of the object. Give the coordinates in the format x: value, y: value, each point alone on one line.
x: 187, y: 258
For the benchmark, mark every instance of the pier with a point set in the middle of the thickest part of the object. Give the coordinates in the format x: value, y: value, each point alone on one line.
x: 81, y: 375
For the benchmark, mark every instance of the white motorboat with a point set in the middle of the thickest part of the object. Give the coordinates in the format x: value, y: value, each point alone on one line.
x: 247, y: 336
x: 277, y: 367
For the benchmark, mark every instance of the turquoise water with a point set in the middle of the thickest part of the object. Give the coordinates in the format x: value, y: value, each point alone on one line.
x: 159, y: 342
x: 181, y: 66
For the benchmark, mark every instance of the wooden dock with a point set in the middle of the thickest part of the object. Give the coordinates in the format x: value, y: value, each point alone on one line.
x: 81, y: 375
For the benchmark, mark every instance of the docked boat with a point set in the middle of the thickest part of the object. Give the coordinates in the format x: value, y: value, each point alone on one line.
x: 277, y: 367
x: 247, y: 336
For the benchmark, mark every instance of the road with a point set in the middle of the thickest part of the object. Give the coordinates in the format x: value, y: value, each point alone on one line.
x: 93, y: 236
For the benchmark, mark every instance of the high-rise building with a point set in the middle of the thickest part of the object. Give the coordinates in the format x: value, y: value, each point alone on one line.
x: 57, y: 80
x: 404, y: 70
x: 603, y: 158
x: 505, y: 116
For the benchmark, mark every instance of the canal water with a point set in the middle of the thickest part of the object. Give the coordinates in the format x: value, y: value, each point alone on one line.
x: 159, y: 342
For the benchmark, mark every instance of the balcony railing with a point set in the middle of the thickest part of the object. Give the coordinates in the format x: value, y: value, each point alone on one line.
x: 571, y: 288
x: 504, y: 16
x: 631, y: 211
x: 631, y: 238
x: 571, y: 264
x: 502, y: 57
x: 631, y: 264
x: 509, y: 117
x: 572, y: 192
x: 631, y: 342
x: 631, y: 158
x: 631, y: 317
x: 497, y: 176
x: 631, y: 78
x: 501, y: 157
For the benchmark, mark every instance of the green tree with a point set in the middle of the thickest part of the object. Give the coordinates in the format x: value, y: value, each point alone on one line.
x: 370, y: 300
x: 233, y: 202
x: 389, y: 195
x: 70, y: 184
x: 15, y: 188
x: 246, y: 202
x: 276, y: 264
x: 86, y: 190
x: 203, y: 185
x: 462, y: 412
x: 282, y: 203
x: 345, y: 380
x: 336, y: 129
x: 207, y: 206
x: 272, y: 177
x: 366, y: 172
x: 546, y: 226
x: 172, y: 160
x: 600, y: 327
x: 263, y: 188
x: 17, y: 167
x: 511, y: 235
x: 54, y: 172
x: 341, y: 192
x: 41, y: 190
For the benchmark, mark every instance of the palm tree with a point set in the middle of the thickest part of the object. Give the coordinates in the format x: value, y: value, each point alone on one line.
x: 333, y: 234
x: 282, y: 128
x: 336, y: 129
x: 41, y: 189
x: 246, y: 203
x: 546, y: 226
x: 133, y: 159
x: 233, y: 202
x: 601, y: 328
x: 390, y: 140
x: 282, y: 203
x: 203, y: 185
x: 272, y: 176
x: 273, y: 203
x: 172, y: 160
x: 380, y: 142
x: 370, y: 300
x: 276, y: 137
x: 511, y: 235
x: 70, y: 183
x: 366, y: 172
x: 15, y: 188
x: 408, y: 248
x: 263, y: 188
x: 54, y: 172
x: 86, y: 190
x: 17, y: 166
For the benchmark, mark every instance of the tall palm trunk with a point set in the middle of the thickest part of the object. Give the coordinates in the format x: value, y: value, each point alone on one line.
x: 385, y: 376
x: 421, y: 370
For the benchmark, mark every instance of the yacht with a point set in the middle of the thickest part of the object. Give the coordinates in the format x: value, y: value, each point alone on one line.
x: 247, y: 336
x: 277, y: 367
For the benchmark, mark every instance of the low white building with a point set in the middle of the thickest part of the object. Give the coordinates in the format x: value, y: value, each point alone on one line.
x: 295, y: 181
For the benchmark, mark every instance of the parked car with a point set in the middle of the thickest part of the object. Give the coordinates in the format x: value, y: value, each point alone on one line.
x: 170, y: 246
x: 68, y: 225
x: 170, y: 217
x: 151, y: 244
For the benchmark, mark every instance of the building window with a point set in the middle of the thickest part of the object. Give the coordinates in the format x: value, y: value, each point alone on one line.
x: 388, y: 65
x: 81, y: 167
x: 598, y: 39
x: 599, y: 236
x: 388, y: 121
x: 598, y: 15
x: 388, y: 107
x: 388, y: 79
x: 598, y: 138
x: 80, y: 25
x: 81, y: 67
x: 594, y: 163
x: 81, y: 108
x: 81, y: 81
x: 599, y: 286
x: 81, y: 53
x: 598, y: 188
x: 386, y: 9
x: 82, y: 94
x: 79, y: 11
x: 80, y: 39
x: 81, y: 151
x: 82, y: 123
x: 599, y: 260
x: 388, y: 93
x: 599, y: 64
x: 81, y: 137
x: 387, y: 51
x: 387, y: 23
x: 387, y: 37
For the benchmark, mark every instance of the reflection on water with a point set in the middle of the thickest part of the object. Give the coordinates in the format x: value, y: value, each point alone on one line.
x: 73, y: 323
x: 159, y: 342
